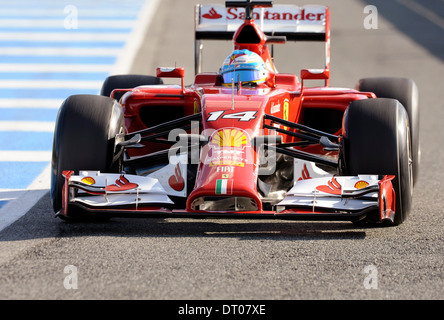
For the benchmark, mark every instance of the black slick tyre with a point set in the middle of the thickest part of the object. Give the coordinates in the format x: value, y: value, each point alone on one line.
x: 405, y: 91
x: 84, y: 139
x: 377, y: 142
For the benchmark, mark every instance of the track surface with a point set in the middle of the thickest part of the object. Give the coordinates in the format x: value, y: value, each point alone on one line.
x: 241, y: 259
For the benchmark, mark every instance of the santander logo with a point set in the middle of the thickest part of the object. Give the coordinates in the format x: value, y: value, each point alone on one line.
x: 212, y: 14
x: 274, y: 14
x: 122, y: 184
x: 176, y: 181
x: 333, y: 187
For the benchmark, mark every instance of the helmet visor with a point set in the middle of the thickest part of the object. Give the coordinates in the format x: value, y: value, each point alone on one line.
x: 243, y: 75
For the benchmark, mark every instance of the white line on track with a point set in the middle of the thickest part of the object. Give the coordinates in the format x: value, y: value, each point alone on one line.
x: 28, y: 156
x: 23, y: 200
x: 56, y: 67
x: 90, y: 52
x: 59, y: 12
x: 28, y: 126
x: 50, y: 84
x: 31, y: 103
x: 65, y: 36
x: 59, y: 23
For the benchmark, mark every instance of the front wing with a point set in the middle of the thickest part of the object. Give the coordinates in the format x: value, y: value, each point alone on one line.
x: 322, y: 197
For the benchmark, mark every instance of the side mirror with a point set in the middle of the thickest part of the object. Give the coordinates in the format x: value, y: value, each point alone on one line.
x: 163, y: 72
x: 315, y: 74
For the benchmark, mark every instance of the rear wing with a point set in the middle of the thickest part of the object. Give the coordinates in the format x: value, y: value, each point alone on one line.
x: 306, y: 23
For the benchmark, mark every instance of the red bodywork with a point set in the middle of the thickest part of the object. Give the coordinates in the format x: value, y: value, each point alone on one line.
x: 283, y: 96
x: 232, y: 117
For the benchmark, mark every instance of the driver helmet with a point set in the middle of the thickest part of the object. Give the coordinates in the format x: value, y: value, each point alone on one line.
x: 243, y: 66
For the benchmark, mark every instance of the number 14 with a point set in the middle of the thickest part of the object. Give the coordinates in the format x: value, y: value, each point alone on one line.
x: 241, y: 116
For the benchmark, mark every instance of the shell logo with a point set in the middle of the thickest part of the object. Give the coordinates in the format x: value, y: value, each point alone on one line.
x: 88, y: 180
x: 361, y: 184
x: 229, y: 138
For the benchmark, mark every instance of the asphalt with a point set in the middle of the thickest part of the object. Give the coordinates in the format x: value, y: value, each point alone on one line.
x: 169, y: 259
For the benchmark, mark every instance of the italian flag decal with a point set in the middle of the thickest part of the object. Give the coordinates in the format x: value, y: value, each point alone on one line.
x: 224, y: 186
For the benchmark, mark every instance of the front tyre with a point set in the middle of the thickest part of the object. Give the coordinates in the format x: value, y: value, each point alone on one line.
x: 377, y: 142
x: 84, y: 139
x: 405, y: 91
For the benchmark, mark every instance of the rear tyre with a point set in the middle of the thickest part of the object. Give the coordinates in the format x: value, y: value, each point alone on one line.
x: 405, y: 91
x: 126, y: 81
x: 84, y: 139
x: 377, y: 141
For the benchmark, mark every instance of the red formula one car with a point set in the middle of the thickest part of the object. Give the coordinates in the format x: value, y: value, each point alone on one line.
x: 245, y: 142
